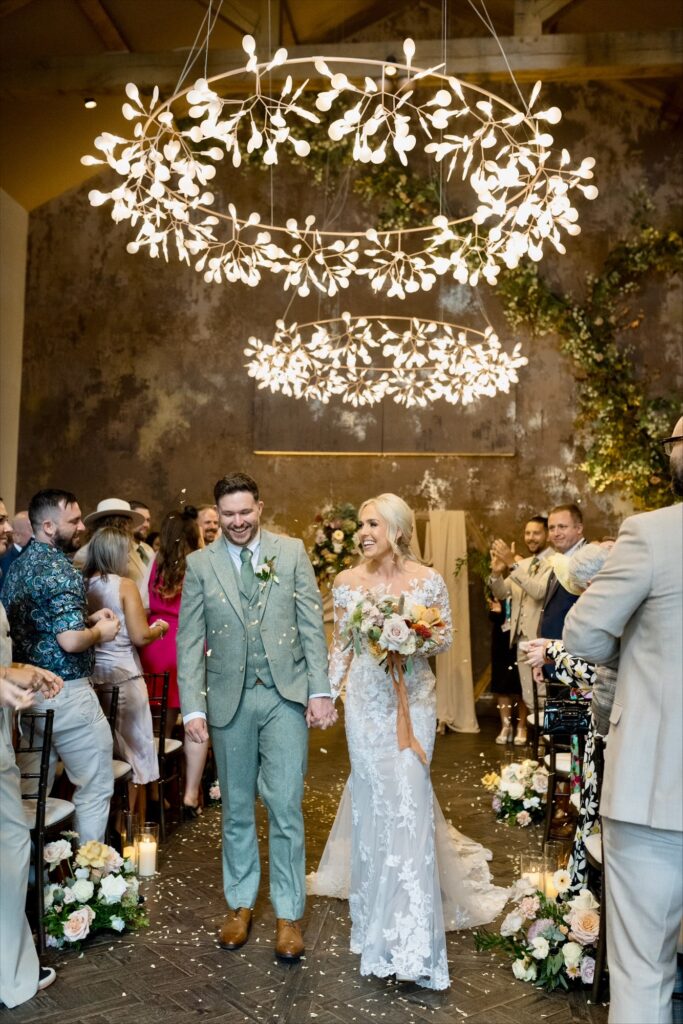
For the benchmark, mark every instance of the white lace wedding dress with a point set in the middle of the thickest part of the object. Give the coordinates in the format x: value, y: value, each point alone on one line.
x: 409, y: 876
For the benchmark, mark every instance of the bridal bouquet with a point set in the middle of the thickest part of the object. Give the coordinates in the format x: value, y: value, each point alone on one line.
x: 100, y: 891
x: 395, y: 626
x: 551, y: 942
x: 520, y: 792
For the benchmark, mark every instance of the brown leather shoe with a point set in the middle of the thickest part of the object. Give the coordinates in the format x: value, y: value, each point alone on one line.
x: 235, y: 929
x: 289, y: 943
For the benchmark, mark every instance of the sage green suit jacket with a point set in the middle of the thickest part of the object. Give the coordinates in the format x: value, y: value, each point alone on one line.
x: 212, y: 633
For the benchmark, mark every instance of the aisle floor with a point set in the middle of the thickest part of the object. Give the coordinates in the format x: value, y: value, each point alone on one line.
x: 175, y: 972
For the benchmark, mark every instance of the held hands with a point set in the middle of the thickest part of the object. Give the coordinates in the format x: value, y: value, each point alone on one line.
x: 320, y: 713
x: 534, y: 651
x: 197, y: 730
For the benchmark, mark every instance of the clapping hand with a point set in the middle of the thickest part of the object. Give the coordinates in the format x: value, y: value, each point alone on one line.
x: 507, y: 555
x: 320, y: 713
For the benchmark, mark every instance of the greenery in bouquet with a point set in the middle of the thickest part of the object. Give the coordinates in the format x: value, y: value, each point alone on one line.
x: 334, y: 545
x: 385, y: 624
x: 519, y: 792
x: 551, y: 943
x: 97, y: 891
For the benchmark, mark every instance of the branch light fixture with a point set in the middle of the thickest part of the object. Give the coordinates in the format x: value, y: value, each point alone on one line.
x: 517, y: 189
x: 364, y: 359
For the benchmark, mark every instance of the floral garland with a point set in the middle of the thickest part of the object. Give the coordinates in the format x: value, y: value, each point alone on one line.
x: 334, y: 545
x: 618, y: 423
x: 552, y: 943
x: 100, y: 893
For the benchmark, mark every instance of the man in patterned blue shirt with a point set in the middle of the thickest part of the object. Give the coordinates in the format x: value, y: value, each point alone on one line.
x: 45, y: 601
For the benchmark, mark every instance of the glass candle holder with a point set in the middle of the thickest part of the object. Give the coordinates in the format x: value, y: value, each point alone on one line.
x: 532, y: 868
x: 128, y: 827
x: 146, y: 849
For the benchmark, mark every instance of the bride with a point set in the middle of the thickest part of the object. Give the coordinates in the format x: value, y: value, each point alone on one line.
x: 408, y: 875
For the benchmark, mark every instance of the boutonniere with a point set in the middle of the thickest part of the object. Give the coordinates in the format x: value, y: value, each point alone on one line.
x: 266, y: 571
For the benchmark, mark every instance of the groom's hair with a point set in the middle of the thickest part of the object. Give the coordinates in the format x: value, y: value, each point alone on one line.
x: 233, y: 484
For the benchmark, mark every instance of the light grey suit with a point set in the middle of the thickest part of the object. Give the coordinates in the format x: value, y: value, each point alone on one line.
x: 258, y: 731
x: 634, y: 607
x: 526, y: 587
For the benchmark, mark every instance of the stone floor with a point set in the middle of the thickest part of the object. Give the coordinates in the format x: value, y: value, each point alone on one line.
x: 174, y: 972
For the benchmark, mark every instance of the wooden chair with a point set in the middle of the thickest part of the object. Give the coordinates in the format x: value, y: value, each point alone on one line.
x: 121, y: 769
x: 45, y: 816
x: 169, y: 749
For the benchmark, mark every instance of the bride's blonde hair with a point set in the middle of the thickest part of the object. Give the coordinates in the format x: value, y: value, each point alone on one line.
x: 398, y: 519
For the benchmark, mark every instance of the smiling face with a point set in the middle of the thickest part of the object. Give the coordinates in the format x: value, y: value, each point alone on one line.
x: 208, y: 524
x: 5, y: 529
x: 373, y: 540
x: 535, y: 536
x: 239, y: 515
x: 564, y: 531
x: 145, y: 526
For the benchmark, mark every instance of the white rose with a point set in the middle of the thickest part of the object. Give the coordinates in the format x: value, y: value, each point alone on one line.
x: 112, y: 888
x: 82, y: 872
x: 524, y: 970
x: 82, y: 890
x: 584, y: 901
x: 539, y: 782
x: 117, y: 923
x: 511, y: 924
x: 541, y: 948
x: 572, y: 953
x: 69, y: 895
x: 50, y: 892
x: 58, y: 851
x: 532, y: 801
x: 515, y: 790
x: 394, y: 633
x: 409, y: 646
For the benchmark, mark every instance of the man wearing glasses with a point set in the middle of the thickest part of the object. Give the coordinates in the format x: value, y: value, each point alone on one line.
x: 633, y: 609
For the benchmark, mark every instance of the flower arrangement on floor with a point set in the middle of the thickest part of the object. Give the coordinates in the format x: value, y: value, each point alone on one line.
x: 519, y: 792
x: 334, y: 545
x: 215, y: 792
x: 100, y: 892
x: 551, y: 942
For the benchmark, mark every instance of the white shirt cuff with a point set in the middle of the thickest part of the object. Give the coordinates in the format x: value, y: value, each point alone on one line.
x: 193, y: 714
x: 312, y: 695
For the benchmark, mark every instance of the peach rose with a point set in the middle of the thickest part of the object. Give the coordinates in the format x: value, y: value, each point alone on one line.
x: 77, y: 924
x: 584, y: 926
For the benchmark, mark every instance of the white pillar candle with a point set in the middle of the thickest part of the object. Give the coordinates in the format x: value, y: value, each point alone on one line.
x: 147, y: 857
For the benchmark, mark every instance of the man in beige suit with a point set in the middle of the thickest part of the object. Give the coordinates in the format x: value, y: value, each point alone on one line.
x: 525, y: 585
x: 634, y: 608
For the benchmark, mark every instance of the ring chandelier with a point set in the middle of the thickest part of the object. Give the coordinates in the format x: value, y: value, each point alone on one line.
x: 520, y: 188
x: 426, y: 360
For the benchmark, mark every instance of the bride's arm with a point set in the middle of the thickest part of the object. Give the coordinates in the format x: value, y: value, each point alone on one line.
x: 341, y: 652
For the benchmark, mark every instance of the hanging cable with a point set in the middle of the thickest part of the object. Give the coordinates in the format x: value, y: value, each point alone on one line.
x: 486, y: 19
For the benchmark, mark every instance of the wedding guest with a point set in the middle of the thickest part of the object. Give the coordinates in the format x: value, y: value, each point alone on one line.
x: 116, y: 513
x: 117, y: 663
x: 505, y: 683
x: 20, y: 536
x: 565, y: 529
x: 207, y: 517
x: 525, y: 586
x: 635, y: 607
x: 179, y: 537
x: 142, y: 530
x: 153, y: 539
x: 44, y: 597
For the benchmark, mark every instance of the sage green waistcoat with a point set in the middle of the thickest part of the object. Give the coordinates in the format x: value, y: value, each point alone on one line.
x: 257, y: 663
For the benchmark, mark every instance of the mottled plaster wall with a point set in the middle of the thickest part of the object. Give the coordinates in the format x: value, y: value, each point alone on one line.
x: 133, y: 376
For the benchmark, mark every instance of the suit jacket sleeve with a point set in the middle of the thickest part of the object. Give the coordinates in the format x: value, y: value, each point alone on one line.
x: 500, y: 588
x: 191, y: 645
x: 595, y: 624
x: 309, y: 620
x: 535, y: 585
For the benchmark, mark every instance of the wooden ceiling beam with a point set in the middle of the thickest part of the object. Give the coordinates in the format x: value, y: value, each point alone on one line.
x: 567, y: 58
x: 106, y: 30
x: 370, y: 15
x: 531, y: 15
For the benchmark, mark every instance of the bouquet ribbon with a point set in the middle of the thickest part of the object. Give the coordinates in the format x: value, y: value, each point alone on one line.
x: 407, y: 739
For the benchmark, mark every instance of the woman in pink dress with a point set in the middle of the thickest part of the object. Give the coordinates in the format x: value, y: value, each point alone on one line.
x: 180, y: 535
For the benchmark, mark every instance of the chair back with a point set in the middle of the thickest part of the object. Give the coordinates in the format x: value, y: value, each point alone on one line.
x: 110, y: 705
x: 157, y: 688
x: 34, y: 740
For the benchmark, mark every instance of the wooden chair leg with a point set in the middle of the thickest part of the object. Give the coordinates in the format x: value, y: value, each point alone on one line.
x: 162, y: 801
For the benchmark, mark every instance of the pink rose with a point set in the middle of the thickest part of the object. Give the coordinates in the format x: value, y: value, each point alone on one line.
x: 529, y: 907
x: 77, y: 924
x: 523, y: 819
x: 584, y: 926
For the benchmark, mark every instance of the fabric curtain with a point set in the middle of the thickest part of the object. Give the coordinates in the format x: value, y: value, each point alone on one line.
x: 445, y: 543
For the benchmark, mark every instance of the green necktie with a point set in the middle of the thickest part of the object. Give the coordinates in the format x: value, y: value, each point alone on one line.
x: 533, y: 568
x: 247, y: 573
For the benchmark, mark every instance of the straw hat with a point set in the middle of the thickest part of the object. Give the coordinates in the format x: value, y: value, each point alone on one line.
x: 113, y: 507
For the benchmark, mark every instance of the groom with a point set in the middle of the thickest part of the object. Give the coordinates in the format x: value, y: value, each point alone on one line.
x: 252, y: 666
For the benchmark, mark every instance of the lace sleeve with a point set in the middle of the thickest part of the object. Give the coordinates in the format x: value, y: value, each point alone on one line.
x: 341, y: 653
x: 436, y: 594
x: 569, y: 669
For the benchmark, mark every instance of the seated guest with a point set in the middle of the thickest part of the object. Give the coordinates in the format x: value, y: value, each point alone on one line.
x: 180, y: 535
x: 113, y: 512
x: 45, y: 600
x: 117, y: 662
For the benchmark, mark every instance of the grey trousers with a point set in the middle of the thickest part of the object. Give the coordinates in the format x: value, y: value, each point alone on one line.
x: 264, y: 748
x: 18, y: 958
x: 82, y: 740
x: 644, y: 881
